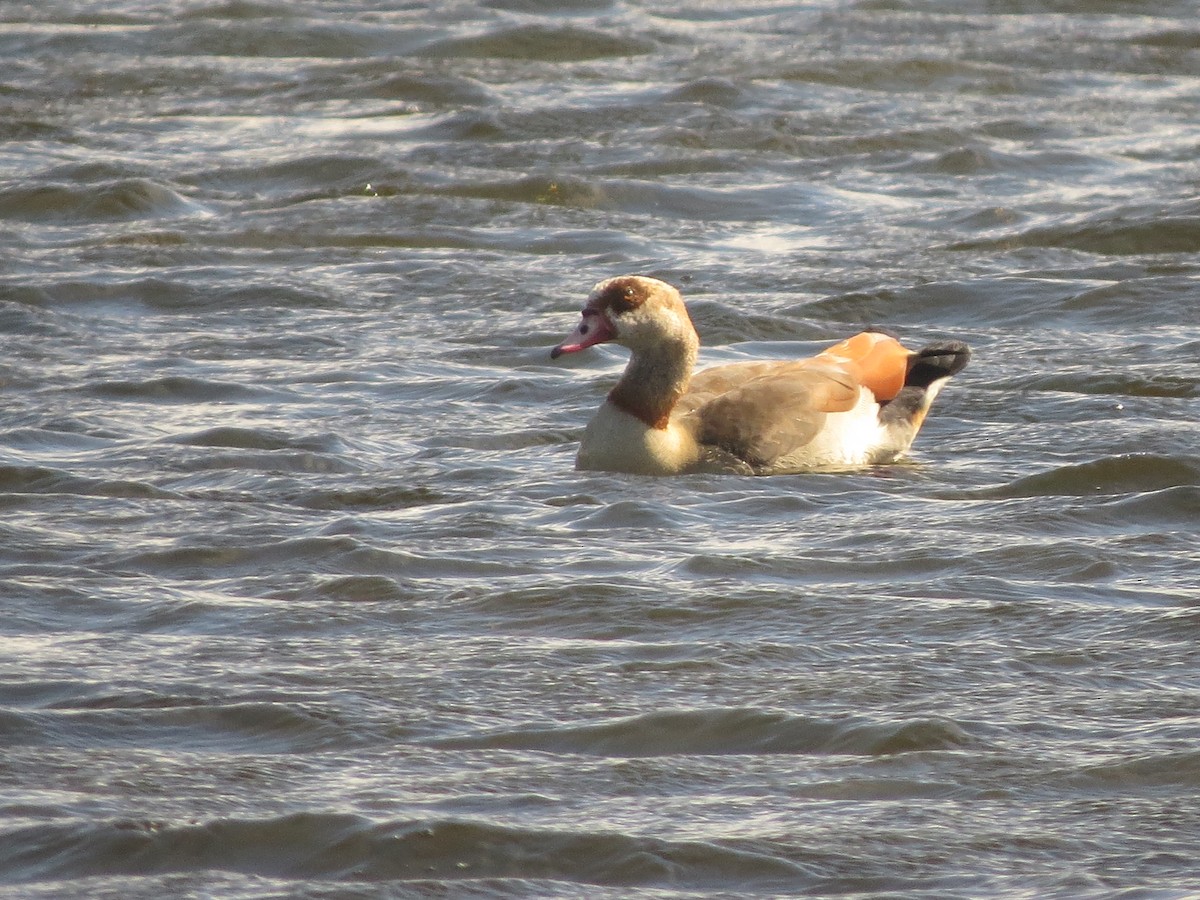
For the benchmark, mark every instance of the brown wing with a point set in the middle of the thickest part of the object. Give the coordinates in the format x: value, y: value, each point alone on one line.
x: 762, y: 411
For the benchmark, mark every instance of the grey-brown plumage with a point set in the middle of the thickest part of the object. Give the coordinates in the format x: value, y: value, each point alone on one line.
x: 859, y: 402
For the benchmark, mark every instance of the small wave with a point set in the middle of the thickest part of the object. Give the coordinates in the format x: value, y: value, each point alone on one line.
x: 713, y: 91
x: 169, y: 295
x: 1093, y: 299
x: 329, y: 174
x: 26, y: 130
x: 1174, y: 769
x: 426, y: 238
x: 725, y: 323
x: 257, y: 439
x: 723, y: 732
x: 173, y: 389
x: 1126, y: 231
x: 237, y: 9
x: 45, y: 480
x: 1175, y: 38
x: 904, y: 74
x: 269, y: 461
x: 270, y: 36
x: 974, y: 159
x: 684, y: 202
x: 551, y: 7
x: 207, y: 559
x: 1179, y: 504
x: 943, y: 301
x: 134, y: 198
x: 349, y: 589
x: 22, y: 312
x: 1123, y: 384
x: 519, y: 439
x: 1125, y: 474
x: 543, y: 44
x: 18, y: 728
x: 550, y: 607
x: 441, y: 564
x: 565, y: 191
x: 627, y: 515
x: 602, y: 244
x: 376, y: 497
x: 1140, y: 298
x: 334, y: 847
x: 967, y: 161
x: 191, y: 723
x: 307, y: 554
x: 423, y: 88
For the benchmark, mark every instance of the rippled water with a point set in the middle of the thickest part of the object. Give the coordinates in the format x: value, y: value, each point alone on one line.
x: 302, y: 597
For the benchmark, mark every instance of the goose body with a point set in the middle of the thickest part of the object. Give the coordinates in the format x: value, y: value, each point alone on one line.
x: 860, y: 402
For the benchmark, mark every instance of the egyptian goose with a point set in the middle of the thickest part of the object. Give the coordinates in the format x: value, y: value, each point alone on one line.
x: 857, y: 403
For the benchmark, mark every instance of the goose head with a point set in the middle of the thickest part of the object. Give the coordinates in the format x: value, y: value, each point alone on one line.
x: 640, y: 313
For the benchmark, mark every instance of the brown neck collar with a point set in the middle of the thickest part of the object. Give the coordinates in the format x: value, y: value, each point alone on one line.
x: 635, y: 402
x: 652, y: 384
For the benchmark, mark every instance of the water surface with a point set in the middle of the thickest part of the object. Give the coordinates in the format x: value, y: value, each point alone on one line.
x: 301, y: 593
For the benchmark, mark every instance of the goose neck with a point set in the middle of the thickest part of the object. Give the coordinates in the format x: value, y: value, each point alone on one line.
x: 653, y: 382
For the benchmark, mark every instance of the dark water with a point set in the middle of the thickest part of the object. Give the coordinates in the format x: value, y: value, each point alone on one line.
x: 301, y: 596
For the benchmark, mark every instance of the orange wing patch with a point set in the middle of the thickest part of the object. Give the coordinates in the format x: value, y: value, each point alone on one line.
x: 879, y: 362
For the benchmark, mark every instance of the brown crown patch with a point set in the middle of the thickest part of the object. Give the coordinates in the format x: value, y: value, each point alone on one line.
x: 623, y: 294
